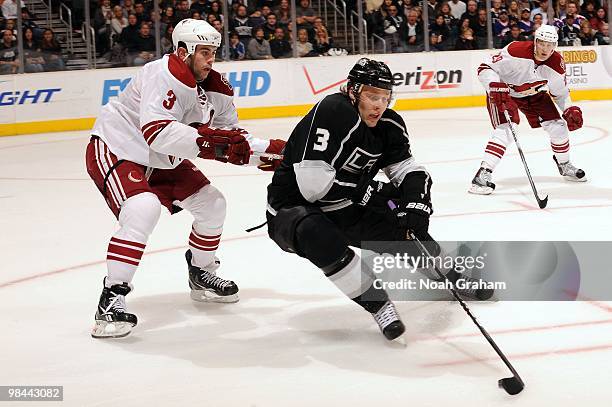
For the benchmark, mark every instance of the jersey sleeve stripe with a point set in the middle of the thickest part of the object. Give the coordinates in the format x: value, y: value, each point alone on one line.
x: 152, y: 129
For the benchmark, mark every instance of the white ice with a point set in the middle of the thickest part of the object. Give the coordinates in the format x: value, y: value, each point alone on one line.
x: 293, y: 339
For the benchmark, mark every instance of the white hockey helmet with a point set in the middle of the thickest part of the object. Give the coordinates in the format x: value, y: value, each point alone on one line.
x: 546, y: 33
x: 193, y: 33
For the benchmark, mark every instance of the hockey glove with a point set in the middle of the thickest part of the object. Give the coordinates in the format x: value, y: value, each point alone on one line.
x: 499, y: 96
x: 223, y: 145
x: 573, y: 117
x: 414, y: 216
x: 276, y: 147
x: 374, y: 194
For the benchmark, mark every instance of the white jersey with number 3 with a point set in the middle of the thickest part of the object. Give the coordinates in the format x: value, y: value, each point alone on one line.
x: 149, y: 122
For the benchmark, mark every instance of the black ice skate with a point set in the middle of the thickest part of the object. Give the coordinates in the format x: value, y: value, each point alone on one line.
x: 569, y: 172
x: 481, y: 183
x: 389, y: 321
x: 471, y: 288
x: 206, y: 286
x: 112, y: 320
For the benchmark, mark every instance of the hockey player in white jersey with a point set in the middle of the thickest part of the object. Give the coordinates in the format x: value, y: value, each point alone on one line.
x: 528, y: 76
x: 174, y: 110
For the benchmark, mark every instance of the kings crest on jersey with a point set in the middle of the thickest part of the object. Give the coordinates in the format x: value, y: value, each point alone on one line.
x: 331, y: 149
x: 147, y: 123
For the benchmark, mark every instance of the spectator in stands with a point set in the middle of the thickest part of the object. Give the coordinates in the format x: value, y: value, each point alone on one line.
x: 256, y: 19
x: 143, y: 50
x: 561, y: 9
x: 168, y: 17
x: 118, y: 23
x: 52, y: 52
x: 404, y: 7
x: 480, y: 31
x: 514, y: 34
x: 495, y: 10
x: 197, y: 16
x: 166, y: 41
x: 432, y: 6
x: 572, y: 8
x: 471, y: 13
x: 587, y: 34
x: 304, y: 47
x: 457, y: 8
x: 128, y: 8
x: 236, y: 47
x: 10, y: 26
x: 270, y: 27
x: 27, y: 21
x: 215, y: 9
x: 466, y: 40
x: 514, y: 13
x: 259, y: 47
x: 394, y: 29
x: 599, y: 19
x: 588, y: 10
x: 305, y: 15
x: 9, y: 63
x: 283, y: 14
x: 414, y: 33
x: 201, y: 6
x: 439, y: 34
x: 537, y: 21
x: 240, y: 24
x: 605, y: 34
x: 265, y: 11
x: 543, y: 10
x: 501, y: 28
x: 569, y: 32
x: 141, y: 14
x: 280, y: 47
x: 323, y: 42
x: 525, y: 23
x: 9, y: 9
x: 130, y: 33
x: 182, y: 10
x: 449, y: 19
x: 34, y: 62
x: 102, y: 18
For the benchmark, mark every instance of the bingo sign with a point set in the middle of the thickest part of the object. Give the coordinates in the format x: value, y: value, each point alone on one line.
x: 585, y: 68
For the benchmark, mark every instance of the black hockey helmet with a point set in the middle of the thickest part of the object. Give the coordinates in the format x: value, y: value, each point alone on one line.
x: 369, y: 72
x: 372, y: 73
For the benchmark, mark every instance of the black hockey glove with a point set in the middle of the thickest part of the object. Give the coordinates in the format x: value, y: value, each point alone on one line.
x: 414, y: 216
x: 374, y: 194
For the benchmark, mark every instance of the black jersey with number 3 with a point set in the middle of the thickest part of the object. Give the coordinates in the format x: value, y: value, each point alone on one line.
x: 331, y: 149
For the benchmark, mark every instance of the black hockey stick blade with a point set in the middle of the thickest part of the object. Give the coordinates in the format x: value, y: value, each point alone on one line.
x: 543, y: 202
x: 512, y: 385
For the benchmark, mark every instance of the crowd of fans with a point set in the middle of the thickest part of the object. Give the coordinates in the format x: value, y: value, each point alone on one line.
x: 257, y: 29
x: 261, y: 29
x: 459, y: 25
x: 41, y: 50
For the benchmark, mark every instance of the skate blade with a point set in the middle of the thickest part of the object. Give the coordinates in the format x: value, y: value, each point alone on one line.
x: 574, y: 179
x: 210, y: 296
x: 105, y: 329
x: 478, y: 190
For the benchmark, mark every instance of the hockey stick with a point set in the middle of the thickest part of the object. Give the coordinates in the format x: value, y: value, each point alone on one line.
x: 512, y: 385
x: 541, y: 202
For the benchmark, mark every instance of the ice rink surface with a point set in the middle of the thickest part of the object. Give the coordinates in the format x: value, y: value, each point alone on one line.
x: 293, y: 339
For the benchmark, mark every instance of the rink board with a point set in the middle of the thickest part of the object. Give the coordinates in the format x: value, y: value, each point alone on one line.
x: 63, y: 101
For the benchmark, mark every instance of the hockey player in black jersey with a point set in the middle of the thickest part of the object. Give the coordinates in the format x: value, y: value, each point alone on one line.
x: 323, y: 198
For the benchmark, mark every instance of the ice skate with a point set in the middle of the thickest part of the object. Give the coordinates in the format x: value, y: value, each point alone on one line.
x: 569, y: 172
x: 481, y: 183
x: 206, y: 286
x: 112, y: 320
x: 389, y: 322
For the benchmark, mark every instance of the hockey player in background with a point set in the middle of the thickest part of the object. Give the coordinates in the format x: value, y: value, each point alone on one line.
x: 527, y: 76
x: 323, y: 198
x: 174, y: 110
